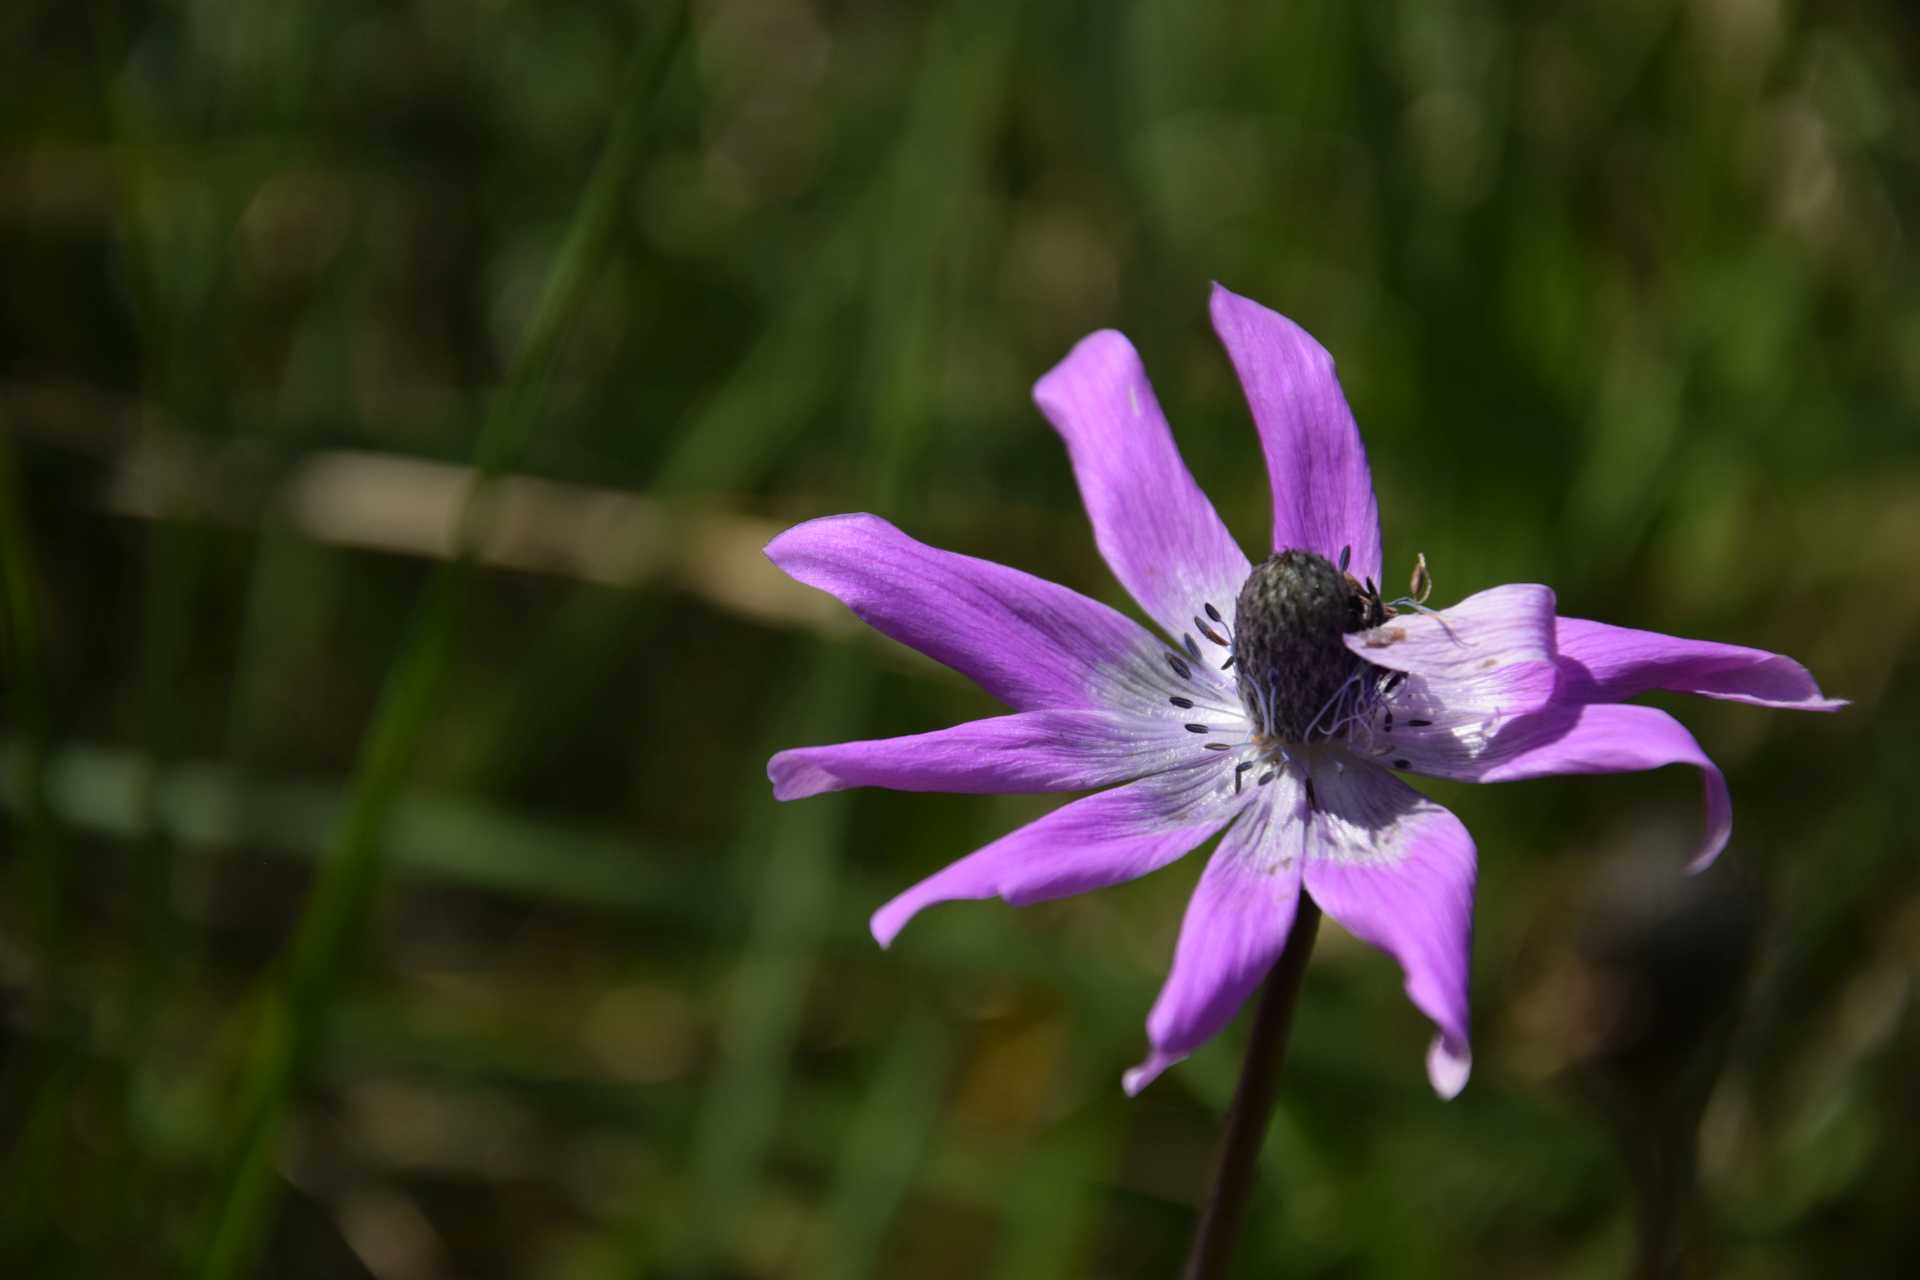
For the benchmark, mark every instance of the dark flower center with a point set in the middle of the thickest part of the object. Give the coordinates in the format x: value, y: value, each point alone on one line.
x: 1297, y: 679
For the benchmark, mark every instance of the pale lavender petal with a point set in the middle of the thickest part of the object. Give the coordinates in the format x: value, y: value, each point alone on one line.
x: 1236, y: 926
x: 1322, y: 490
x: 1027, y: 752
x: 1031, y: 643
x: 1492, y: 651
x: 1586, y: 738
x: 1397, y: 870
x: 1155, y: 527
x: 1093, y: 842
x: 1602, y: 663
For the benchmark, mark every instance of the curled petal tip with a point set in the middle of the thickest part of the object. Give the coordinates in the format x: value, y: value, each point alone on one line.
x: 1705, y: 858
x: 1134, y: 1079
x: 1719, y: 806
x: 1448, y: 1068
x: 888, y: 921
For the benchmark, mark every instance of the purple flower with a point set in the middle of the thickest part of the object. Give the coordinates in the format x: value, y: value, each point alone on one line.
x: 1289, y: 695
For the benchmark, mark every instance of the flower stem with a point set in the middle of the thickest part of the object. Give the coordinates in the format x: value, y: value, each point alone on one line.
x: 1253, y: 1098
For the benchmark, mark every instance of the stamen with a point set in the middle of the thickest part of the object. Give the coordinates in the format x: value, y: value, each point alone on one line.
x: 1313, y: 801
x: 1196, y: 728
x: 1208, y: 631
x: 1218, y: 746
x: 1264, y: 778
x: 1418, y: 724
x: 1227, y: 663
x: 1180, y: 668
x: 1239, y: 772
x: 1185, y: 704
x: 1403, y: 764
x: 1387, y: 727
x: 1214, y: 614
x: 1421, y: 584
x: 1193, y: 646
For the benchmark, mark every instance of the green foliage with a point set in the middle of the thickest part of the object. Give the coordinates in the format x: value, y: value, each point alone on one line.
x: 395, y: 399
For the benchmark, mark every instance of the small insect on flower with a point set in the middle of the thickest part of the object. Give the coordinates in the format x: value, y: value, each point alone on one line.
x: 1275, y: 711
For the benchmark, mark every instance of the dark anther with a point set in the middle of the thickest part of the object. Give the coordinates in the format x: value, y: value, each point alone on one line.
x: 1403, y: 764
x: 1313, y: 801
x: 1209, y: 632
x: 1265, y: 778
x: 1387, y: 726
x: 1196, y: 728
x: 1394, y: 681
x: 1217, y: 746
x: 1227, y: 663
x: 1193, y: 646
x: 1214, y: 614
x: 1185, y: 704
x: 1239, y: 772
x: 1180, y: 668
x: 1419, y: 724
x: 1346, y: 557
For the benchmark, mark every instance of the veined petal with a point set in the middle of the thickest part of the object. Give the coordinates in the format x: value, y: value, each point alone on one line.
x: 1236, y: 925
x: 1397, y: 870
x: 1590, y: 738
x: 1322, y: 489
x: 1026, y: 752
x: 1602, y: 663
x: 1492, y: 652
x: 1155, y: 527
x: 1093, y: 842
x: 1031, y: 643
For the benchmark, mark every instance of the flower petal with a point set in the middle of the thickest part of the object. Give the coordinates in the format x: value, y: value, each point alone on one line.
x: 1031, y: 643
x: 1093, y: 842
x: 1322, y: 490
x: 1493, y: 651
x: 1602, y: 663
x: 1582, y: 738
x: 1397, y: 870
x: 1027, y: 752
x: 1236, y: 926
x: 1155, y: 527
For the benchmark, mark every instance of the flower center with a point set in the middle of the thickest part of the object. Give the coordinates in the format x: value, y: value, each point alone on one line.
x: 1297, y: 680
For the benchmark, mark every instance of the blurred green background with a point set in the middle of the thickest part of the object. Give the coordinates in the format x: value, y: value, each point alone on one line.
x: 394, y: 398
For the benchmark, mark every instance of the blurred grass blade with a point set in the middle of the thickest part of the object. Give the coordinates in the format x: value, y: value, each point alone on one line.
x: 28, y: 699
x: 888, y: 1141
x: 1052, y: 1204
x: 296, y: 1000
x: 789, y: 861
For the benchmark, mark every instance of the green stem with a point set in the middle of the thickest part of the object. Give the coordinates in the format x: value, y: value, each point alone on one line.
x: 1253, y: 1098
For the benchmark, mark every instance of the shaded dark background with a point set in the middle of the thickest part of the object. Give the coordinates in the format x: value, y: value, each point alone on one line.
x: 390, y: 884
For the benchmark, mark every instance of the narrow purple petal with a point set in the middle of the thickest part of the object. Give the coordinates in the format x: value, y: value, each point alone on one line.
x: 1492, y: 651
x: 1236, y: 926
x: 1027, y: 752
x: 1093, y: 842
x: 1031, y: 643
x: 1592, y: 738
x: 1322, y: 490
x: 1602, y: 663
x: 1397, y: 870
x: 1155, y: 527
